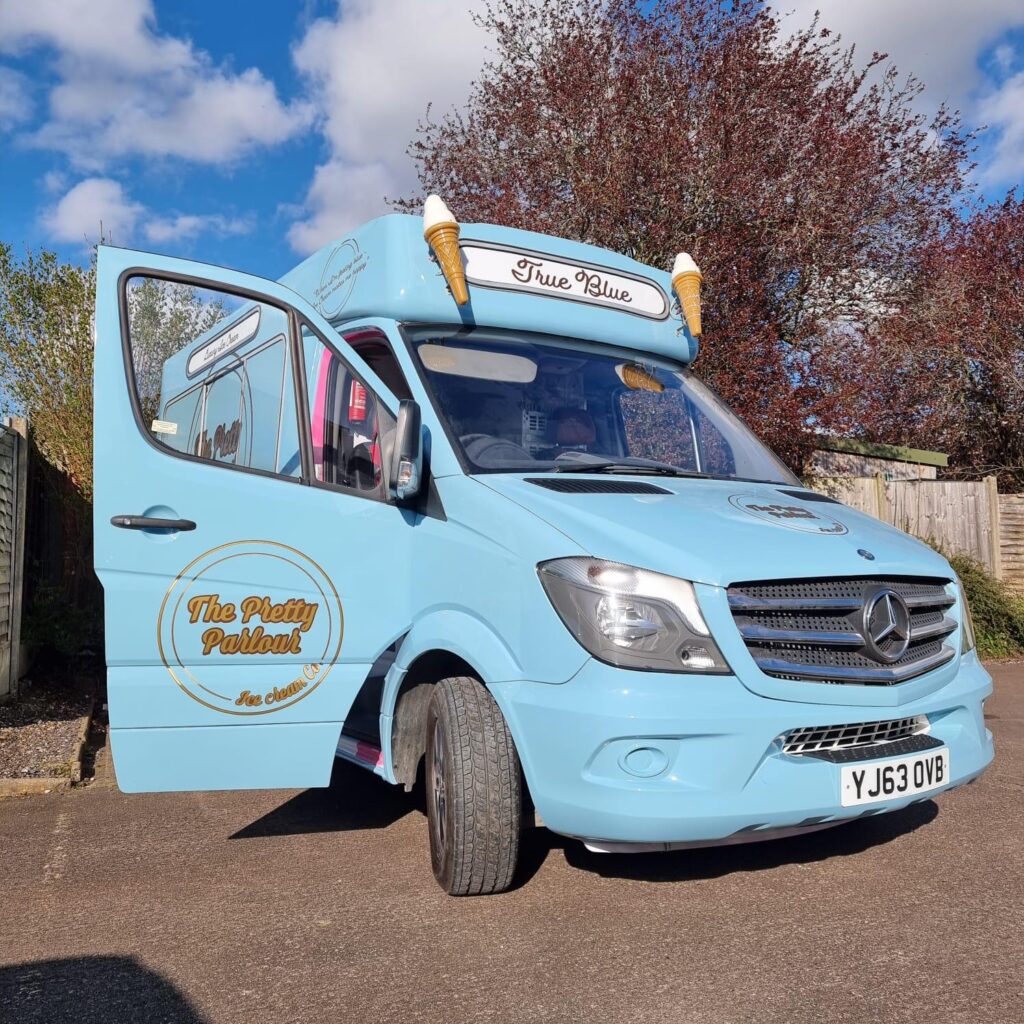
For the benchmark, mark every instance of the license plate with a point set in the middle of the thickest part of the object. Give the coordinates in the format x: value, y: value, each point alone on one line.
x: 872, y: 781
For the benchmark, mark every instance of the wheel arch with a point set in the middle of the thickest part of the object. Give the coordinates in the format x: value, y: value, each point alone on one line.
x: 449, y: 642
x: 406, y: 725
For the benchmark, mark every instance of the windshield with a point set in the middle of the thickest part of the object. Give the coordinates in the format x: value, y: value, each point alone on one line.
x: 518, y: 403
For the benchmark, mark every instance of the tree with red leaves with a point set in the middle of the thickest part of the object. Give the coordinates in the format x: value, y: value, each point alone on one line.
x: 953, y: 353
x: 804, y: 183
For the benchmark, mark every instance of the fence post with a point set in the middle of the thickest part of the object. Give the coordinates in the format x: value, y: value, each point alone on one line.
x: 15, y: 428
x: 881, y: 502
x: 19, y: 424
x: 992, y: 489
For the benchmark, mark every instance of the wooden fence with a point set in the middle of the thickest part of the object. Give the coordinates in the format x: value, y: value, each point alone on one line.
x: 959, y: 516
x: 1011, y: 539
x: 13, y: 468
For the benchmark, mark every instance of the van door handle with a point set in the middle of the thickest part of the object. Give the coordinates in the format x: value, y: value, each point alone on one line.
x: 151, y: 523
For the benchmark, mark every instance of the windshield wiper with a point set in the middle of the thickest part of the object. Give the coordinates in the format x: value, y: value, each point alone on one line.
x: 581, y: 463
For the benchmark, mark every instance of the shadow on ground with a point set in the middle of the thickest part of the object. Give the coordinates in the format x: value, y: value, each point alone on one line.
x: 355, y: 800
x: 714, y: 862
x: 90, y: 990
x: 359, y: 800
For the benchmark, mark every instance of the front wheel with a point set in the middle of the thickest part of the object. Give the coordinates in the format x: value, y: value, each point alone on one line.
x: 474, y: 802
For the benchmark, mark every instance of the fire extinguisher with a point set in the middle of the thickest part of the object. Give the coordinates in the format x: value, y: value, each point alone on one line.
x: 356, y: 402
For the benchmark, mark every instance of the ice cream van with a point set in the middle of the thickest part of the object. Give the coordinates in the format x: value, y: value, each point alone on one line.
x: 448, y: 502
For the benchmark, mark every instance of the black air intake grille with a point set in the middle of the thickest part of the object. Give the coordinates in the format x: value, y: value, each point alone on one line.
x: 564, y: 486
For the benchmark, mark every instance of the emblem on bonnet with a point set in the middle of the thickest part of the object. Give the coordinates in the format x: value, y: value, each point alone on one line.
x: 793, y: 517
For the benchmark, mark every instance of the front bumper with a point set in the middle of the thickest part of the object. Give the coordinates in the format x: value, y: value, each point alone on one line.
x: 709, y: 765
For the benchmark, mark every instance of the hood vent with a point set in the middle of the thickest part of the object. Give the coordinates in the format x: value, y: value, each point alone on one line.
x: 810, y: 496
x: 576, y: 486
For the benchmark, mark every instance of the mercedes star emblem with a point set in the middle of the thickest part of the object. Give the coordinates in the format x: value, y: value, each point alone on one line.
x: 886, y: 625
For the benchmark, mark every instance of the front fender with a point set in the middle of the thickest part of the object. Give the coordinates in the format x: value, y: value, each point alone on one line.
x: 462, y: 633
x: 458, y: 631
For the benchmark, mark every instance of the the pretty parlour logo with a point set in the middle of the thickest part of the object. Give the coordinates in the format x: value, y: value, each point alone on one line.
x: 250, y: 627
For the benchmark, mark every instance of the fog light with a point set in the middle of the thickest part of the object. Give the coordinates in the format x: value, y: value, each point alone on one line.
x: 644, y: 762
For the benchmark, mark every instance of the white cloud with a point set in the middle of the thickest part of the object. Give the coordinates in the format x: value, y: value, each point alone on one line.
x: 15, y: 102
x: 1003, y: 110
x: 124, y: 89
x: 118, y: 33
x: 941, y: 43
x: 373, y: 69
x: 100, y: 207
x: 342, y: 195
x: 189, y: 225
x: 54, y: 181
x: 1005, y: 56
x: 94, y: 208
x: 938, y: 41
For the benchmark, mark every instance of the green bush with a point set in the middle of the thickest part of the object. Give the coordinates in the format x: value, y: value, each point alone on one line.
x: 998, y: 614
x: 60, y: 632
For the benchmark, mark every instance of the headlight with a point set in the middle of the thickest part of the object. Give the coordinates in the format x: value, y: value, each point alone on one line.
x: 966, y: 622
x: 631, y: 617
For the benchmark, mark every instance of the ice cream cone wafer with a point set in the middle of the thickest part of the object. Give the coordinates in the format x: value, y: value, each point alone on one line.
x: 441, y: 231
x: 686, y: 281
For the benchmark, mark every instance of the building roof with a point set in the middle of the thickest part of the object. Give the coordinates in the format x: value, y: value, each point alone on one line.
x: 894, y: 453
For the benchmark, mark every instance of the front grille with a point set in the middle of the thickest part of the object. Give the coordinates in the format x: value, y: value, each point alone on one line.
x: 897, y: 748
x: 815, y: 630
x: 816, y: 738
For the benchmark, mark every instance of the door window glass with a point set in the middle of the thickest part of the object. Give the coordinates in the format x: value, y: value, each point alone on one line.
x: 212, y: 374
x: 344, y: 420
x: 376, y: 353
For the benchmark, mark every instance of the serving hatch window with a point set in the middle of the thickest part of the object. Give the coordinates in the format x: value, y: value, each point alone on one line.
x: 212, y: 375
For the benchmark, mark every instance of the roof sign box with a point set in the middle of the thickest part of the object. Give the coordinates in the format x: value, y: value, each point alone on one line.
x: 495, y: 266
x: 235, y: 336
x: 385, y: 269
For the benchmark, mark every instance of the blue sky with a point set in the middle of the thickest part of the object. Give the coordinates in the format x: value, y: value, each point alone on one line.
x: 250, y: 133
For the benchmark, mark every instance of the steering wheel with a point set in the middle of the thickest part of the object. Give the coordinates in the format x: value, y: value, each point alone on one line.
x: 488, y: 450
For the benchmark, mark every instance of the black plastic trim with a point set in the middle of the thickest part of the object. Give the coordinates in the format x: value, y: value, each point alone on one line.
x: 876, y: 752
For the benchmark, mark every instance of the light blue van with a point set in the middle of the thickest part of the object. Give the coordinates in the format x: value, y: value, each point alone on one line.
x: 512, y: 545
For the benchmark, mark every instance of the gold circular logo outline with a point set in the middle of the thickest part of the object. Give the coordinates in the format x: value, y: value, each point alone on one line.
x: 247, y: 554
x: 238, y: 543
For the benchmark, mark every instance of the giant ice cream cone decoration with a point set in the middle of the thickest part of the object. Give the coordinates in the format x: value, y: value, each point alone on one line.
x: 441, y: 231
x: 686, y: 279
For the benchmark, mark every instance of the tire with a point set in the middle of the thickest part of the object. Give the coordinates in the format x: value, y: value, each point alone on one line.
x: 474, y: 799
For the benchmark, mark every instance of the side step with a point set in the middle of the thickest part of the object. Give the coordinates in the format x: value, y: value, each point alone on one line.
x: 359, y: 752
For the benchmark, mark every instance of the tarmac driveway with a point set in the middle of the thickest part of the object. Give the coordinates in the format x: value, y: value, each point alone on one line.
x: 320, y: 906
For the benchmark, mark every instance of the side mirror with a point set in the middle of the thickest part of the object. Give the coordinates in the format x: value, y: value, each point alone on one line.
x: 406, y: 469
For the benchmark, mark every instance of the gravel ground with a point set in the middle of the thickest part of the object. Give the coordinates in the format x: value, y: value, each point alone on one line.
x: 39, y: 732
